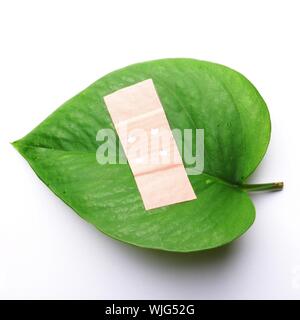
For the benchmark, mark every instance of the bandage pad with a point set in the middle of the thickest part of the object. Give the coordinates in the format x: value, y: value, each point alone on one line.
x: 149, y: 145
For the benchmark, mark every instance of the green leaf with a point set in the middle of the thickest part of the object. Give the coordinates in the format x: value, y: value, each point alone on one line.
x: 195, y: 94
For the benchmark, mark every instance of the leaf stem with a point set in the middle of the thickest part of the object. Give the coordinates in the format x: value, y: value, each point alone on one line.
x: 274, y: 186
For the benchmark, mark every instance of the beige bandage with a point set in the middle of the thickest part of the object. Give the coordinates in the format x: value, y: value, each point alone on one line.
x: 149, y: 145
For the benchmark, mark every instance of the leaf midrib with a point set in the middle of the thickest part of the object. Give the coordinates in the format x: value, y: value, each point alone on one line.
x: 18, y: 143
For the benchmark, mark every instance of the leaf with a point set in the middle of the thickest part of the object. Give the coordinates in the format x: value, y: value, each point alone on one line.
x: 195, y: 94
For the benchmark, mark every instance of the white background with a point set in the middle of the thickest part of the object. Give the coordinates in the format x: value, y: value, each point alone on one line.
x: 51, y: 50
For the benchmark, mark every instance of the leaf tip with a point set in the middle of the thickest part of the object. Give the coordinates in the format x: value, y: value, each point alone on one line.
x: 15, y: 144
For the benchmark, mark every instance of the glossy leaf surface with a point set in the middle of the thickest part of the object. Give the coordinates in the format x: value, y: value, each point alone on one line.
x: 195, y: 94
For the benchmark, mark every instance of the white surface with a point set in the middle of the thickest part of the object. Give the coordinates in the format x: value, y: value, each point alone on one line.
x: 51, y: 50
